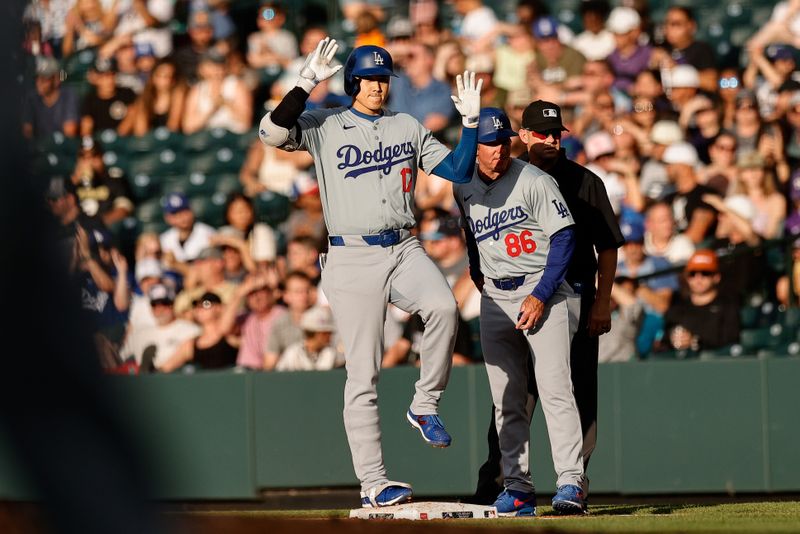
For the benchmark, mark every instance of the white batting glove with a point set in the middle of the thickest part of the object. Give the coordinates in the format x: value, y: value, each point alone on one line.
x: 318, y: 65
x: 468, y: 101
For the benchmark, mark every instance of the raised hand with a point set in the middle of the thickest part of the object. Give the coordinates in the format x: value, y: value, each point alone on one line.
x: 318, y: 65
x: 468, y: 101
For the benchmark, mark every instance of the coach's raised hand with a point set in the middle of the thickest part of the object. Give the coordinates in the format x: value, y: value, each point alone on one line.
x: 318, y: 65
x: 468, y: 101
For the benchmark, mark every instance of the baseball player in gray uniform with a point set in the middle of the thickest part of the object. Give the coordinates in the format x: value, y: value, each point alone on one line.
x: 520, y: 238
x: 367, y: 160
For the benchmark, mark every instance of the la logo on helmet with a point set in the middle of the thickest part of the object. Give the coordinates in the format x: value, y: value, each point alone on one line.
x: 378, y: 58
x: 498, y: 124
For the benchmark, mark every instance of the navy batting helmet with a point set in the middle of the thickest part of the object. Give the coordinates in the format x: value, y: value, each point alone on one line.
x: 368, y: 60
x: 493, y: 125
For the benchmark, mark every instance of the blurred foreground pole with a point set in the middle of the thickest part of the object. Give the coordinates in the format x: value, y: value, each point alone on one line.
x: 57, y: 410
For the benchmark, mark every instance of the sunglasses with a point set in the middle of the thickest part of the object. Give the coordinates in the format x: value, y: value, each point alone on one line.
x: 556, y: 134
x: 643, y: 107
x: 704, y: 274
x: 731, y: 82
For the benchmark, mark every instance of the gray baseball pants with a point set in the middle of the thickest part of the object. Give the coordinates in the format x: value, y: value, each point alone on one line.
x: 358, y: 281
x: 505, y: 350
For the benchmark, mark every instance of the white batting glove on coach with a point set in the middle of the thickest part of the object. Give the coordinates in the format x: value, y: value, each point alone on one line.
x: 468, y: 101
x: 318, y: 65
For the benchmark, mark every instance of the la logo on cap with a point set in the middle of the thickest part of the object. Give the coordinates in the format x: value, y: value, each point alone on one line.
x: 378, y: 58
x: 549, y: 112
x: 498, y: 124
x: 175, y: 201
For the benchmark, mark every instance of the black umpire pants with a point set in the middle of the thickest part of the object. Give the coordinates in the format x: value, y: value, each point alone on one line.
x: 583, y: 362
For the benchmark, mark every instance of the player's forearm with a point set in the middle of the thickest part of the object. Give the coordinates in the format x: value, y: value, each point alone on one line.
x: 290, y: 108
x: 460, y: 163
x: 606, y: 270
x: 562, y: 244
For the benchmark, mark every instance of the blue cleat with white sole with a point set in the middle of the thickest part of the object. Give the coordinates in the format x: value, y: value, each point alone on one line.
x: 512, y: 503
x: 386, y: 495
x: 431, y: 428
x: 570, y: 500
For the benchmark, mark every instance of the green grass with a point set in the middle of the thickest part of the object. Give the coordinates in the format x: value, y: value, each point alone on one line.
x: 742, y: 517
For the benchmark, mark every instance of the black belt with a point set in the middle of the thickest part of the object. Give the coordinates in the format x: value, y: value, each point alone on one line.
x: 508, y: 284
x: 387, y: 238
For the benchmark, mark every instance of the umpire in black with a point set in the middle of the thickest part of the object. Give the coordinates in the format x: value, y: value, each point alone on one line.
x: 597, y: 238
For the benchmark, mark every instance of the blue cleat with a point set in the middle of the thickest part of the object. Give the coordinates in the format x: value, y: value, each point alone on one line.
x: 386, y: 495
x: 512, y: 503
x: 431, y: 428
x: 570, y: 500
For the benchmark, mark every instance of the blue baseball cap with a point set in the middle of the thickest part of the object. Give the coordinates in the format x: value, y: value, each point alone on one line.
x: 176, y: 202
x: 777, y: 52
x: 144, y: 49
x: 632, y: 230
x: 493, y: 125
x: 545, y: 27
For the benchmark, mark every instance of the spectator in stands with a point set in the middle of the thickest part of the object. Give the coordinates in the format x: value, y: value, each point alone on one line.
x: 98, y: 193
x: 162, y: 101
x: 302, y: 255
x: 207, y: 274
x: 654, y: 292
x: 51, y: 108
x: 63, y: 204
x: 660, y: 239
x: 599, y: 148
x: 791, y: 131
x: 201, y: 41
x: 148, y: 273
x: 744, y: 271
x: 308, y: 42
x: 143, y: 21
x: 681, y: 47
x: 85, y: 27
x: 749, y: 129
x: 123, y: 53
x: 218, y: 100
x: 107, y: 106
x: 236, y: 258
x: 730, y: 83
x: 767, y: 70
x: 186, y: 237
x: 654, y: 182
x: 627, y: 313
x: 629, y: 56
x: 693, y: 217
x: 406, y: 350
x: 596, y: 83
x: 306, y: 218
x: 708, y: 318
x: 298, y: 296
x: 269, y: 169
x: 152, y: 346
x: 262, y: 311
x: 758, y: 185
x: 316, y: 351
x: 783, y: 26
x: 788, y: 286
x: 243, y: 233
x: 792, y: 226
x: 50, y: 16
x: 598, y: 113
x: 215, y: 347
x: 477, y: 21
x: 701, y: 120
x: 368, y: 31
x: 595, y: 41
x: 721, y: 172
x: 417, y: 93
x: 272, y: 47
x: 146, y: 61
x: 224, y: 27
x: 558, y: 64
x: 513, y: 58
x: 684, y: 85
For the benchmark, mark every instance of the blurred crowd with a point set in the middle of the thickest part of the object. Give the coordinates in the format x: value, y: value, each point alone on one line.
x: 699, y: 154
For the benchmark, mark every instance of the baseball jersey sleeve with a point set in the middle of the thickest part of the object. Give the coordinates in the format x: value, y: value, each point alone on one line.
x: 547, y: 204
x: 310, y: 124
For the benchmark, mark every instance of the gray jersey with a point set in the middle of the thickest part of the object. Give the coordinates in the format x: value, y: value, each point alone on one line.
x: 513, y: 218
x: 367, y: 169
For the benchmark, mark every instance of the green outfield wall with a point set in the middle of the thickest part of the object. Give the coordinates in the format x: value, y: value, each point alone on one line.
x: 723, y: 426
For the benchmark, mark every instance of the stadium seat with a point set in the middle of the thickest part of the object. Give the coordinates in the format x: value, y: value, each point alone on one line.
x: 57, y: 143
x: 144, y: 186
x: 77, y: 65
x: 207, y: 139
x: 271, y: 208
x: 210, y: 209
x: 216, y: 161
x: 784, y: 349
x: 226, y: 183
x: 52, y: 163
x: 711, y: 354
x: 194, y: 184
x: 159, y: 138
x: 162, y: 162
x: 150, y: 211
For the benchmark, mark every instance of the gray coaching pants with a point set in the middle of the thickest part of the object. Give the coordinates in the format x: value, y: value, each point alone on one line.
x: 358, y: 281
x: 505, y: 351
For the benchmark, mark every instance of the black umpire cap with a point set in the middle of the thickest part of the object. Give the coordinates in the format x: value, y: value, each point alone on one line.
x: 541, y: 116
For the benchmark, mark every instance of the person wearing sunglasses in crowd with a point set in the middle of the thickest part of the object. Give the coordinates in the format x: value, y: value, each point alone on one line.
x: 707, y: 318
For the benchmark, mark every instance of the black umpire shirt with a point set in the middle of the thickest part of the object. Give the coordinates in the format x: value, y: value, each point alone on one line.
x: 596, y: 225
